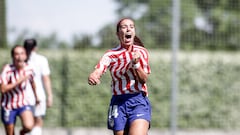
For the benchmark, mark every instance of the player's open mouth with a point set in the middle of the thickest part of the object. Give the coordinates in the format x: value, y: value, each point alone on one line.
x: 128, y: 36
x: 19, y: 60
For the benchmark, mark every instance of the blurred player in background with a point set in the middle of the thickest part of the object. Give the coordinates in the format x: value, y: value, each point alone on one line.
x: 43, y: 84
x: 13, y: 80
x: 129, y: 110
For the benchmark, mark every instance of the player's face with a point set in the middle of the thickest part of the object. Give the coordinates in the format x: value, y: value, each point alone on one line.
x: 126, y: 32
x: 19, y: 57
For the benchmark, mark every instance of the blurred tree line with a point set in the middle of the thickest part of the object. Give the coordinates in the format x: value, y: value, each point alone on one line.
x: 3, y: 26
x: 205, y: 24
x: 208, y: 24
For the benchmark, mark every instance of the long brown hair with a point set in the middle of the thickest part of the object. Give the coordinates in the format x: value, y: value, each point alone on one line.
x: 137, y: 40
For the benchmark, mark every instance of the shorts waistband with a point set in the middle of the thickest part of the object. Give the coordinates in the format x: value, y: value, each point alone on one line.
x: 131, y: 94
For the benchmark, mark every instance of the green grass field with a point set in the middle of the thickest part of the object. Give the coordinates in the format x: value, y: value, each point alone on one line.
x: 208, y: 97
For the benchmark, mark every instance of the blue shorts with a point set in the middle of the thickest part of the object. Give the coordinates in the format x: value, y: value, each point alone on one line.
x: 10, y: 116
x: 124, y: 109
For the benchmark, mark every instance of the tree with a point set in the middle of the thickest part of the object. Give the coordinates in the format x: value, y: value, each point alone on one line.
x: 82, y: 42
x: 209, y: 24
x: 152, y: 19
x: 3, y: 26
x: 108, y: 37
x: 220, y: 25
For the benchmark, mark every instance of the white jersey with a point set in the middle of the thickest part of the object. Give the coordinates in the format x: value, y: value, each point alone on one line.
x: 40, y: 67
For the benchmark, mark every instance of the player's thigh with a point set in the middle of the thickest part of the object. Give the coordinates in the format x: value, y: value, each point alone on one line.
x: 139, y: 127
x: 27, y: 119
x: 40, y: 109
x: 38, y: 121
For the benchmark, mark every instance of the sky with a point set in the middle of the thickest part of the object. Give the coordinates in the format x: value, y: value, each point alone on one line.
x: 64, y: 17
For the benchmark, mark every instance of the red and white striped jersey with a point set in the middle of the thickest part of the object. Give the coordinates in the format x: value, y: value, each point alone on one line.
x: 118, y: 61
x: 16, y: 97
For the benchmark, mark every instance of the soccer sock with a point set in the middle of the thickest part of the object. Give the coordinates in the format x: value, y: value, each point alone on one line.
x: 36, y: 131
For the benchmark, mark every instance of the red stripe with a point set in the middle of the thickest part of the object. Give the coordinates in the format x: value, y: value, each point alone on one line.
x: 118, y: 79
x: 128, y: 85
x: 24, y: 87
x: 113, y: 84
x: 6, y: 95
x: 136, y: 85
x: 114, y: 90
x: 2, y: 97
x: 12, y: 97
x: 121, y: 71
x: 22, y: 93
x: 15, y: 90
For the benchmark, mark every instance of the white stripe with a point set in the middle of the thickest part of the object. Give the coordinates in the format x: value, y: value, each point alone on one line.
x: 8, y: 75
x: 120, y: 68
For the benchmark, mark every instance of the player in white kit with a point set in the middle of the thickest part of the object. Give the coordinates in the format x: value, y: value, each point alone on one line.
x: 43, y: 84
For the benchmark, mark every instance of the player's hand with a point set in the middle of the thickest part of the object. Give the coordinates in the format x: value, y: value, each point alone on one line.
x: 49, y: 101
x: 37, y: 102
x: 93, y: 79
x: 135, y: 57
x: 23, y: 78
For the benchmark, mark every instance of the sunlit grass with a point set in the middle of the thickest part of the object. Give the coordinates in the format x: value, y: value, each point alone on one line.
x: 208, y: 81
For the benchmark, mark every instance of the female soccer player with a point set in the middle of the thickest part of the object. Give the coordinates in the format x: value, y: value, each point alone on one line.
x: 129, y: 110
x: 43, y: 84
x: 13, y: 80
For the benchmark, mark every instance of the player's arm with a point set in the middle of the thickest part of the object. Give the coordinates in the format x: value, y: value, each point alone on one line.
x: 48, y: 88
x: 141, y: 75
x: 100, y: 69
x: 7, y: 87
x: 94, y: 77
x: 46, y: 80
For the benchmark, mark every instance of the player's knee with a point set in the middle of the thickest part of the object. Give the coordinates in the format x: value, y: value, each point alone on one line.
x: 28, y: 127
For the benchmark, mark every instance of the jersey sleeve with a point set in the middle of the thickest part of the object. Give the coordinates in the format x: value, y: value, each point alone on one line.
x: 145, y: 61
x: 4, y: 77
x: 45, y: 67
x: 103, y: 63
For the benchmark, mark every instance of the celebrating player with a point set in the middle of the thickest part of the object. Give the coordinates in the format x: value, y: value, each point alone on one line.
x: 129, y: 110
x: 13, y: 80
